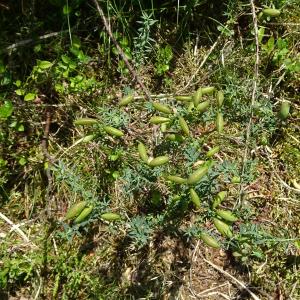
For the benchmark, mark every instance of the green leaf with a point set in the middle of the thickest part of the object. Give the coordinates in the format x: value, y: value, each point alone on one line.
x: 165, y: 68
x: 270, y: 43
x: 2, y: 68
x: 29, y: 96
x: 13, y: 124
x: 74, y: 50
x: 59, y: 88
x: 261, y: 33
x: 66, y: 59
x: 282, y: 43
x: 72, y: 65
x: 21, y: 128
x: 65, y: 74
x: 127, y: 53
x: 258, y: 254
x: 124, y: 41
x: 3, y: 162
x: 44, y: 64
x: 115, y: 51
x: 113, y: 157
x: 115, y: 174
x: 67, y: 9
x: 6, y: 110
x: 76, y: 43
x: 37, y: 48
x: 82, y: 57
x: 6, y: 79
x: 296, y: 67
x: 20, y: 92
x: 18, y: 83
x: 22, y: 161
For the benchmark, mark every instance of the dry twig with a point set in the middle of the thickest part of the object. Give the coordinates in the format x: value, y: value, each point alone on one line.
x: 235, y: 280
x: 29, y: 41
x: 15, y: 228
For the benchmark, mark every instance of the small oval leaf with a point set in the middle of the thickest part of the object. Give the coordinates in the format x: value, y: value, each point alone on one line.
x: 44, y: 64
x: 30, y: 97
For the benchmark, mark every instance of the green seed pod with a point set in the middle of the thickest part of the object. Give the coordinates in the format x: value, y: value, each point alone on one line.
x: 219, y: 122
x: 88, y: 138
x: 198, y: 164
x: 195, y: 198
x: 75, y: 210
x: 209, y: 241
x: 113, y: 131
x: 143, y: 152
x: 176, y: 179
x: 235, y: 179
x: 222, y: 227
x: 162, y: 108
x: 284, y: 110
x: 110, y: 217
x: 213, y: 151
x: 85, y: 121
x: 159, y: 161
x: 184, y: 126
x: 83, y: 215
x: 126, y: 100
x: 220, y: 98
x: 271, y: 12
x: 208, y: 90
x: 219, y: 199
x: 191, y: 107
x: 226, y: 215
x: 158, y: 120
x: 163, y: 127
x: 171, y: 137
x: 183, y: 98
x: 197, y: 175
x: 203, y: 106
x: 174, y: 137
x: 197, y: 96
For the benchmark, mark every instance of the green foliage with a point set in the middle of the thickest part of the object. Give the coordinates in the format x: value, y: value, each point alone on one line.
x: 17, y: 268
x: 78, y: 186
x: 6, y: 110
x: 47, y: 168
x: 163, y: 59
x: 281, y: 55
x: 140, y: 230
x: 143, y: 42
x: 253, y: 242
x: 113, y: 116
x: 70, y: 72
x: 39, y: 75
